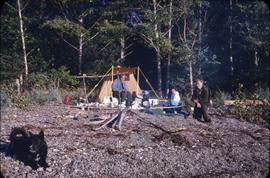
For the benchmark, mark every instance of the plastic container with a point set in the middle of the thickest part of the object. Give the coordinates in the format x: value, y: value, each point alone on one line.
x: 67, y: 99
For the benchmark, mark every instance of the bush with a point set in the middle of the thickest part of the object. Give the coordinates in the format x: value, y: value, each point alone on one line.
x: 5, y: 100
x: 37, y: 81
x: 258, y: 114
x: 38, y: 96
x: 261, y: 94
x: 220, y: 96
x: 251, y: 112
x: 42, y: 96
x: 59, y: 78
x: 54, y: 95
x: 37, y: 88
x: 13, y: 97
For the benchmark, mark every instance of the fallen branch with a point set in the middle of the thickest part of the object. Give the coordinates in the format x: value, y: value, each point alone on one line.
x: 115, y: 121
x: 246, y: 102
x: 112, y: 119
x: 171, y: 131
x: 120, y: 122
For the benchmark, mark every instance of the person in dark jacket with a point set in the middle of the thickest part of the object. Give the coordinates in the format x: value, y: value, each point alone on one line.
x: 201, y: 100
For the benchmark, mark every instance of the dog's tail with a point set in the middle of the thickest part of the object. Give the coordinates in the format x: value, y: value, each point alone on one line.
x: 17, y: 132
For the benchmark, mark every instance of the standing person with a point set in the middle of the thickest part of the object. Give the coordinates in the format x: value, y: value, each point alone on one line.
x: 201, y: 100
x: 119, y: 88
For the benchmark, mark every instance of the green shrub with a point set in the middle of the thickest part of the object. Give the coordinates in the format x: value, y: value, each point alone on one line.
x: 41, y: 96
x: 16, y: 99
x: 261, y: 94
x: 220, y: 96
x: 5, y: 100
x: 54, y: 95
x: 59, y: 78
x: 37, y: 81
x: 38, y: 96
x: 251, y: 112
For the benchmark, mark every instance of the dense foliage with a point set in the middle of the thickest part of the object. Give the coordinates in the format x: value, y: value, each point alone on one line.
x: 85, y: 37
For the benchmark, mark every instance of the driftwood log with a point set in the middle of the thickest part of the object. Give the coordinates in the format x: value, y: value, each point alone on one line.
x: 245, y: 102
x: 115, y: 122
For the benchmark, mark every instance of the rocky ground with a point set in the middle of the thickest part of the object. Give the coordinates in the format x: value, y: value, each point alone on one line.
x: 147, y: 145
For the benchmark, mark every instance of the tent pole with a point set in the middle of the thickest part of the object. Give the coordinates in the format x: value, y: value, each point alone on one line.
x: 112, y: 81
x: 84, y: 86
x: 119, y: 97
x: 149, y: 84
x: 98, y: 83
x: 138, y: 80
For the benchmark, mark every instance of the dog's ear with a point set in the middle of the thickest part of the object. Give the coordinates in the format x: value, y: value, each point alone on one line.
x: 41, y: 134
x: 30, y: 134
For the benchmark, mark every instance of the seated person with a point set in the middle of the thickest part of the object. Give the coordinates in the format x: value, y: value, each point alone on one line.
x: 82, y: 99
x: 174, y: 100
x: 145, y: 102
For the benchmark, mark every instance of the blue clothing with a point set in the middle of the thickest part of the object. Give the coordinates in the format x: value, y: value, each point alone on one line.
x: 119, y: 85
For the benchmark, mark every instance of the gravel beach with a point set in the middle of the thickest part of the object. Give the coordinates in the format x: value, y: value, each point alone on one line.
x: 146, y: 146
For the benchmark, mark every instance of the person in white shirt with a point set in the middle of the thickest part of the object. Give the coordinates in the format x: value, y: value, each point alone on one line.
x: 175, y: 98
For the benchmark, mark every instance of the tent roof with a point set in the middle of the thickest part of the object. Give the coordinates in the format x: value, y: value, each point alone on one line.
x: 121, y: 70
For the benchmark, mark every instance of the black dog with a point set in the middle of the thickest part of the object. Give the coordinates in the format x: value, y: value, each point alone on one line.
x: 28, y: 147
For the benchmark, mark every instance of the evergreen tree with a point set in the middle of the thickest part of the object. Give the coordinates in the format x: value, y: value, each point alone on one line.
x: 252, y: 27
x: 76, y: 26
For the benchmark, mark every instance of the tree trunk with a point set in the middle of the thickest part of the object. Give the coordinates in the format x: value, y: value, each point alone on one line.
x: 157, y: 51
x: 191, y: 76
x: 200, y: 38
x: 230, y: 48
x: 189, y: 57
x: 80, y: 50
x: 122, y: 53
x: 168, y: 78
x: 23, y: 38
x: 256, y: 57
x: 159, y: 71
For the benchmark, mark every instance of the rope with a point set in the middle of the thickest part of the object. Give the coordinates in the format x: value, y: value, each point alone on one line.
x: 98, y: 76
x: 116, y: 108
x: 98, y: 83
x: 149, y: 83
x: 165, y: 107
